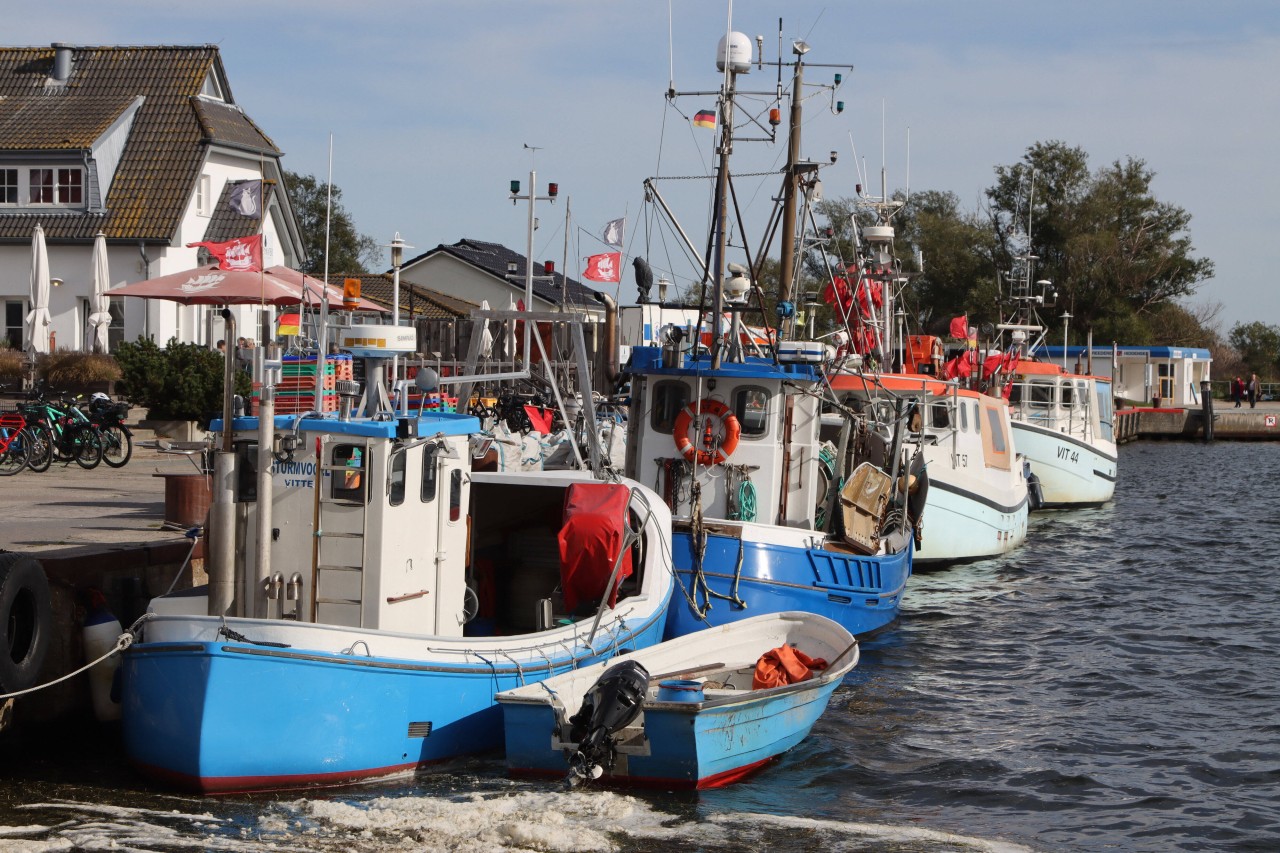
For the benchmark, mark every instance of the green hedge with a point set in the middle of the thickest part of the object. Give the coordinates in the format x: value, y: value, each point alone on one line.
x: 182, y: 382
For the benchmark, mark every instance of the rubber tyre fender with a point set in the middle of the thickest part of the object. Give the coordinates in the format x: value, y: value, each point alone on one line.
x: 26, y: 621
x: 917, y: 503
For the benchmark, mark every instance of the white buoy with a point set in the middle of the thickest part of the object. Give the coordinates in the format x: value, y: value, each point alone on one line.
x: 101, y: 631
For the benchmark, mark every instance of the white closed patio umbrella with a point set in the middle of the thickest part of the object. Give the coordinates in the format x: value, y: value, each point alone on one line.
x: 100, y: 319
x: 38, y: 317
x: 486, y: 336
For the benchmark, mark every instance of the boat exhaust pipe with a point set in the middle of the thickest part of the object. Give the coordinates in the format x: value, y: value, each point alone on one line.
x: 611, y: 365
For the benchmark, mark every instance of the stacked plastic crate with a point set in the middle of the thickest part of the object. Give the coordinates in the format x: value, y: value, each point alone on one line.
x: 423, y: 402
x: 296, y: 390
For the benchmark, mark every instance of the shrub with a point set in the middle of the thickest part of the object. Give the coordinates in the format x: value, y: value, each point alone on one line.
x: 68, y: 369
x: 12, y: 363
x: 182, y: 382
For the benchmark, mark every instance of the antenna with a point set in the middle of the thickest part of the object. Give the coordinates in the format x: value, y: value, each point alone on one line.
x: 908, y: 189
x: 671, y: 55
x: 858, y: 169
x: 883, y: 191
x: 533, y: 158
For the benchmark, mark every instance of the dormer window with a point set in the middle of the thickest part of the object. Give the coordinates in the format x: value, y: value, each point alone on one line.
x: 210, y: 88
x: 43, y: 186
x: 56, y: 186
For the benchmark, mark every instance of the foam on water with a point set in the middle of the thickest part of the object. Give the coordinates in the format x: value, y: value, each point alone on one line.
x: 545, y: 821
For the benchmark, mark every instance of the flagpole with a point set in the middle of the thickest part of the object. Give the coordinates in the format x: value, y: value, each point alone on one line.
x: 322, y: 334
x: 564, y: 267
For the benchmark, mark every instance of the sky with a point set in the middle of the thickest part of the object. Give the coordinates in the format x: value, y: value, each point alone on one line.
x: 434, y: 106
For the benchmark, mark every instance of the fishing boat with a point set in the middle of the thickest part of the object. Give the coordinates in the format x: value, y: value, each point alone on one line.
x: 394, y: 594
x: 688, y: 713
x: 729, y: 433
x: 978, y: 499
x: 1062, y: 420
x: 980, y: 491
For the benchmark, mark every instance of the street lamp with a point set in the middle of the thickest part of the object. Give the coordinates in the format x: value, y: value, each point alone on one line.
x: 398, y: 245
x: 1066, y: 319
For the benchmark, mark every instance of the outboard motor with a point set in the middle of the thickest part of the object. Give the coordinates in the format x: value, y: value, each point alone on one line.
x: 611, y: 704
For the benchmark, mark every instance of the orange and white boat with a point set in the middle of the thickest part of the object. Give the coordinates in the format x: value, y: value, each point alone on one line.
x: 977, y: 504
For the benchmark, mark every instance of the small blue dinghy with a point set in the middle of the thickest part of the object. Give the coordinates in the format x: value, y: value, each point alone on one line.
x: 681, y: 714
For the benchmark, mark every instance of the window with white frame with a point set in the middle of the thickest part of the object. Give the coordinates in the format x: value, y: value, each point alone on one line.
x: 204, y: 204
x: 15, y: 314
x: 115, y: 331
x: 8, y: 186
x: 52, y: 186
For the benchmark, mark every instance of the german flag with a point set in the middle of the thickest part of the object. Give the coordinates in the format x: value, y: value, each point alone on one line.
x: 705, y: 118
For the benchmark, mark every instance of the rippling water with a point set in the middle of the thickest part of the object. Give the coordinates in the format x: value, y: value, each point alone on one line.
x: 1114, y: 684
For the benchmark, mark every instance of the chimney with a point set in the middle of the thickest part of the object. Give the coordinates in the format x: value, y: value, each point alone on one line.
x: 61, y: 62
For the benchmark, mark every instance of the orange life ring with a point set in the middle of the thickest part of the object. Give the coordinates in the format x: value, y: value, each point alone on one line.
x: 712, y: 452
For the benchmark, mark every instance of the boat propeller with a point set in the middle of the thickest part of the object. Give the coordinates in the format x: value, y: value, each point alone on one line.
x: 609, y: 706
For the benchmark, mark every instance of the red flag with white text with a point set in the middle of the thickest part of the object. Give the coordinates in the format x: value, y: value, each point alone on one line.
x: 243, y: 253
x: 604, y: 267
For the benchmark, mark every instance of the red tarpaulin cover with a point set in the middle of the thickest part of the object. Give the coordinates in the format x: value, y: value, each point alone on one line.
x: 593, y: 532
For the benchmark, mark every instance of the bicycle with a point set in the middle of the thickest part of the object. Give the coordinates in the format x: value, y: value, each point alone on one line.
x: 15, y: 444
x: 67, y: 430
x: 107, y: 418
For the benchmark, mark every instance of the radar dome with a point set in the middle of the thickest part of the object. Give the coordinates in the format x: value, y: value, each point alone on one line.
x: 735, y: 48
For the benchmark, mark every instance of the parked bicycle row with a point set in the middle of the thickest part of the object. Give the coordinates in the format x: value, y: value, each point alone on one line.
x: 41, y: 430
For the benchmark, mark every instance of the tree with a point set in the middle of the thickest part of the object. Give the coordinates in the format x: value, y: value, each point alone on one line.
x: 1113, y: 251
x: 180, y: 382
x: 1259, y: 346
x: 955, y: 251
x: 1176, y: 325
x: 349, y: 250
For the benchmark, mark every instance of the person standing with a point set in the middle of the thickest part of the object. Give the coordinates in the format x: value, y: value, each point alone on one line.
x: 1253, y: 391
x: 1237, y: 390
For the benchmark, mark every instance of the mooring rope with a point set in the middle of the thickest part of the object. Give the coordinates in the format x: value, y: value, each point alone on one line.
x: 123, y: 642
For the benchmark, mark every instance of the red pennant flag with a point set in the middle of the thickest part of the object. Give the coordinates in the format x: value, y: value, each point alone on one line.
x: 243, y: 253
x: 604, y: 267
x: 960, y: 327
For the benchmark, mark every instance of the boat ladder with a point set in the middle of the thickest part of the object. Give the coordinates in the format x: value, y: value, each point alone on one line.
x: 340, y: 548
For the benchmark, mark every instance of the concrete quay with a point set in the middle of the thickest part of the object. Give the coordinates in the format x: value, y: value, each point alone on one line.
x: 1261, y: 423
x: 110, y: 529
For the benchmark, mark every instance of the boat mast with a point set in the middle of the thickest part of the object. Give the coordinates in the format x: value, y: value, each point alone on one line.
x: 788, y: 225
x: 731, y: 70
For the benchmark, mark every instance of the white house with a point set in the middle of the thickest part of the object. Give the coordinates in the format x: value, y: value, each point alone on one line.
x: 145, y: 145
x: 1142, y: 373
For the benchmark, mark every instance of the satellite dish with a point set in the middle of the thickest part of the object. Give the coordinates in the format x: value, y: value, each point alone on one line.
x: 427, y: 380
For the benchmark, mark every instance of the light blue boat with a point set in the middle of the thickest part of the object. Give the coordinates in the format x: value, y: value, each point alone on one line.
x: 698, y: 722
x: 404, y: 591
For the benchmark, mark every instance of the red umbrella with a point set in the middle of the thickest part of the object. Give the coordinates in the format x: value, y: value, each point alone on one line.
x: 213, y: 286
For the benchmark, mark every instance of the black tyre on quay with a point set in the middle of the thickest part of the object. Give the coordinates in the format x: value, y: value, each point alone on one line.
x: 26, y: 618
